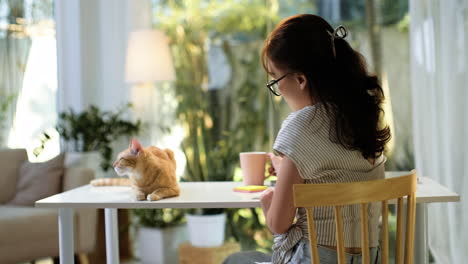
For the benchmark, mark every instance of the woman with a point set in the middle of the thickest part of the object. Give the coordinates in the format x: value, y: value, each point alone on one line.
x: 332, y: 135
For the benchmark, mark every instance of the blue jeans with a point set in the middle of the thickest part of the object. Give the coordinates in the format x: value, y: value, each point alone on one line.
x: 302, y: 256
x: 330, y: 256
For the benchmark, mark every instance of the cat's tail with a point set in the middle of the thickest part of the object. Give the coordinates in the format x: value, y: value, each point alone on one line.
x: 110, y: 182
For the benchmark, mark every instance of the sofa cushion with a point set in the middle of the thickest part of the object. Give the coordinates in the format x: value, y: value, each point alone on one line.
x: 27, y: 232
x: 10, y: 162
x: 38, y: 180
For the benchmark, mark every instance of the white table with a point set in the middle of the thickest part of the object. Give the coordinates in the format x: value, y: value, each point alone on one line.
x: 201, y: 195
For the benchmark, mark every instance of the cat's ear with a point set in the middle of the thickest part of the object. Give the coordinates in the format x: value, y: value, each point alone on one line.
x: 135, y: 147
x: 170, y: 154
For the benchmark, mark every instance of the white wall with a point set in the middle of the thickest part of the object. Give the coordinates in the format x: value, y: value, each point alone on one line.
x: 91, y: 43
x: 91, y: 51
x: 68, y: 36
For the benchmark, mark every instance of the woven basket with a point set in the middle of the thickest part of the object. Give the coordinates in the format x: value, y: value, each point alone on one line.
x: 189, y: 254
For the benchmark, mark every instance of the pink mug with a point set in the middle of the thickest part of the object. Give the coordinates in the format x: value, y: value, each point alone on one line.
x: 253, y: 167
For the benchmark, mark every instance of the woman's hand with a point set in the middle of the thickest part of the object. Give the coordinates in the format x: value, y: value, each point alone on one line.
x: 265, y: 199
x: 275, y: 164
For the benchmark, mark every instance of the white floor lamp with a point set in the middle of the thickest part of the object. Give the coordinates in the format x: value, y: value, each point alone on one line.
x: 148, y: 61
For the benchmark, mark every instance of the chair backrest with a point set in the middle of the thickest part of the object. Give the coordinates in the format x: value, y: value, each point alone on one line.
x: 363, y: 193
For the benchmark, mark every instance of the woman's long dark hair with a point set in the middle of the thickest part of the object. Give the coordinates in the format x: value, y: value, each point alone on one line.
x: 339, y: 81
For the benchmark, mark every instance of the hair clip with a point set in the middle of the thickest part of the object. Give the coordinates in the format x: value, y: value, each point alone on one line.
x: 340, y: 32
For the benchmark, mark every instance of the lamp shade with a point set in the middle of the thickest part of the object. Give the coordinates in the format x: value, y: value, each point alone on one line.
x: 148, y: 57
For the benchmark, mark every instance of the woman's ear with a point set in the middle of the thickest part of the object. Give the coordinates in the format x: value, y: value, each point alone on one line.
x: 301, y: 80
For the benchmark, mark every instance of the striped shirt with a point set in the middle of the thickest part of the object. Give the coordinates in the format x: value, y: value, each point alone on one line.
x: 304, y: 138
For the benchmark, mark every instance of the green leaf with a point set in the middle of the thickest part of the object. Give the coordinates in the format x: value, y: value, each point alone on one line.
x: 93, y: 130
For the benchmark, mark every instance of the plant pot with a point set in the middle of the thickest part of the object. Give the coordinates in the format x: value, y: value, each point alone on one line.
x: 160, y: 245
x: 206, y: 230
x: 90, y: 160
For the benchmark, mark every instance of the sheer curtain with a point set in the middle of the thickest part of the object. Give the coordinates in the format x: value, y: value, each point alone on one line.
x: 14, y: 51
x: 13, y: 55
x: 439, y: 80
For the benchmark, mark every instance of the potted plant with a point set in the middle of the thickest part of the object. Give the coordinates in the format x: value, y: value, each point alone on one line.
x: 160, y: 231
x: 88, y: 136
x: 206, y: 227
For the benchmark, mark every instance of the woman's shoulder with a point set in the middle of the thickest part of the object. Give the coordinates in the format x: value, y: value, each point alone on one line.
x: 302, y: 130
x: 308, y: 119
x: 306, y: 111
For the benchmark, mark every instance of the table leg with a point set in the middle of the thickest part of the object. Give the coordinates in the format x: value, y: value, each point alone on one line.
x: 421, y: 248
x: 66, y: 250
x: 112, y: 236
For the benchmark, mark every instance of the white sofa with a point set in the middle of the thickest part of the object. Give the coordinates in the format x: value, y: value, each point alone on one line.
x: 28, y: 233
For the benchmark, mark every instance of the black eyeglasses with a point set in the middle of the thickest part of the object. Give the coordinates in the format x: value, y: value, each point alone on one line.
x: 273, y: 85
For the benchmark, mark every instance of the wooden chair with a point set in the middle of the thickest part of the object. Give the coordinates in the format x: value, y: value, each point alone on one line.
x: 342, y: 194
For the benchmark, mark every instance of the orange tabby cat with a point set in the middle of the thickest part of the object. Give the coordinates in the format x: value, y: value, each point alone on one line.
x: 151, y: 172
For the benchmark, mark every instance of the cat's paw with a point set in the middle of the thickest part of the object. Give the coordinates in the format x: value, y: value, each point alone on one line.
x: 153, y: 197
x: 140, y: 197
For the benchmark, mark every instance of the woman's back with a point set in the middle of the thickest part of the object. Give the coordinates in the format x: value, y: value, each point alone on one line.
x: 334, y: 133
x: 305, y: 138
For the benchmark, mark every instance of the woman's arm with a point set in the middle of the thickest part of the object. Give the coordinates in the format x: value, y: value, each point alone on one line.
x: 278, y: 206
